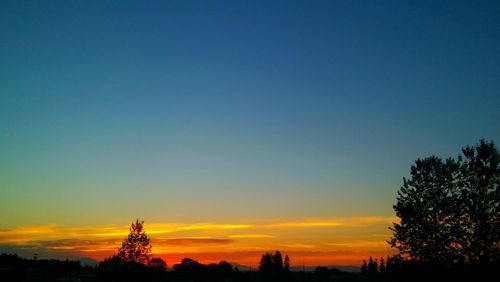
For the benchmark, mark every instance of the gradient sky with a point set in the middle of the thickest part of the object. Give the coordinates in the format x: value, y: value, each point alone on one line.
x: 272, y: 115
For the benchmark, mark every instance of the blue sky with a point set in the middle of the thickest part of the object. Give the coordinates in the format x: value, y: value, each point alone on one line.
x: 228, y: 110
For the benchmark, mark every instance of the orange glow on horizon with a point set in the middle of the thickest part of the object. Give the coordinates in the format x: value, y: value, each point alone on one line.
x: 338, y: 241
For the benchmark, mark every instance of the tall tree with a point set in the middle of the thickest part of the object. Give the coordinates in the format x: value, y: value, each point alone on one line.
x: 382, y: 265
x: 136, y: 247
x: 480, y: 200
x: 270, y: 262
x: 277, y: 261
x: 287, y: 263
x: 266, y: 262
x: 364, y: 267
x: 450, y: 211
x: 428, y: 231
x: 372, y: 266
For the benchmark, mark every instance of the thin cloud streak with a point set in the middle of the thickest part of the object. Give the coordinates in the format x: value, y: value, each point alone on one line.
x: 193, y: 241
x: 160, y: 228
x: 168, y: 239
x: 251, y: 236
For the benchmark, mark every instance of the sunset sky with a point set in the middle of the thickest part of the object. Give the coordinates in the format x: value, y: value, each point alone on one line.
x: 232, y: 128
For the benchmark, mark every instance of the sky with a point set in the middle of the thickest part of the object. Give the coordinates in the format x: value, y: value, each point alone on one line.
x: 232, y: 127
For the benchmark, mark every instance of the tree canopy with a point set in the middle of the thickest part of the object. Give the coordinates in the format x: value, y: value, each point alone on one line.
x: 449, y: 210
x: 480, y: 173
x: 157, y: 263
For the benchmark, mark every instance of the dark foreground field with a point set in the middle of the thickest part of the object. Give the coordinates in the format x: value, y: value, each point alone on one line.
x: 90, y: 274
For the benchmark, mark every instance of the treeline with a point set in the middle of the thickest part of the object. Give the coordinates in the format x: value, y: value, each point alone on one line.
x: 270, y: 262
x: 15, y: 268
x: 114, y: 269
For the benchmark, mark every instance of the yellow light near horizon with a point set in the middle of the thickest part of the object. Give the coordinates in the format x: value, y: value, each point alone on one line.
x: 308, y: 238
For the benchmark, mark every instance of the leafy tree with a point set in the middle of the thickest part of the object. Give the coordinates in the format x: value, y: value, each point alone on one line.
x: 270, y: 262
x: 266, y: 262
x: 287, y: 263
x: 225, y: 267
x: 188, y: 265
x: 450, y: 213
x: 136, y: 247
x: 115, y: 268
x: 480, y: 173
x: 364, y: 267
x: 111, y: 261
x: 428, y: 231
x: 372, y: 266
x: 157, y: 263
x: 278, y: 261
x: 393, y: 264
x: 321, y: 270
x: 382, y: 265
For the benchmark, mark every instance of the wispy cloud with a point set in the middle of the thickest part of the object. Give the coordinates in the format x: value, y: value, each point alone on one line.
x: 335, y: 222
x: 27, y: 233
x: 360, y: 244
x: 193, y: 241
x: 250, y: 236
x: 212, y: 226
x: 355, y: 234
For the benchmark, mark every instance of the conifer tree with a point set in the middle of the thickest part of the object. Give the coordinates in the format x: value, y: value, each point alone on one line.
x: 136, y: 247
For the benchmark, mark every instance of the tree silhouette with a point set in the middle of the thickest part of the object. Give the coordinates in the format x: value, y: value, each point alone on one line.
x: 157, y: 263
x: 136, y: 247
x: 426, y: 205
x: 382, y: 265
x: 224, y: 267
x: 364, y: 267
x: 278, y: 261
x: 480, y: 173
x: 270, y: 262
x: 266, y: 262
x: 372, y: 266
x: 321, y: 270
x: 450, y: 213
x: 286, y: 264
x: 188, y: 265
